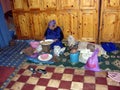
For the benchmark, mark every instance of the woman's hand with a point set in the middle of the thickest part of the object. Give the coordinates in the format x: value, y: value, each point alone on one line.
x: 44, y: 39
x: 55, y: 40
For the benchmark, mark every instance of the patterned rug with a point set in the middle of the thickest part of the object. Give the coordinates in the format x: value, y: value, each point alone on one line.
x: 10, y: 56
x: 109, y: 62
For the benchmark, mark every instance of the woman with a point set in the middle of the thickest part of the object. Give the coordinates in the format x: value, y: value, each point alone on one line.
x: 54, y: 32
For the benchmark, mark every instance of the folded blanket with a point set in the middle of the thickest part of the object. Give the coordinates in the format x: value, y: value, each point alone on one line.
x: 114, y: 76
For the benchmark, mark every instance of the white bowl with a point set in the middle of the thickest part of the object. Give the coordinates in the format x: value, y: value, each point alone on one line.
x: 47, y: 42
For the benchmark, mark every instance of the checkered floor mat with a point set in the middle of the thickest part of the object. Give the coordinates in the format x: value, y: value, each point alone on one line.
x: 60, y: 78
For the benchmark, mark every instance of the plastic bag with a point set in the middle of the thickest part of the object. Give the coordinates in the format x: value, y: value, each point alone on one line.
x: 92, y: 62
x: 71, y: 40
x: 58, y: 50
x: 34, y: 44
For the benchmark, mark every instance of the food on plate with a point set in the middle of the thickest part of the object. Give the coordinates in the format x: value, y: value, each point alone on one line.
x: 44, y: 56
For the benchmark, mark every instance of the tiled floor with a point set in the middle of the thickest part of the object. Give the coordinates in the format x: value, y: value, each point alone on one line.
x: 59, y: 78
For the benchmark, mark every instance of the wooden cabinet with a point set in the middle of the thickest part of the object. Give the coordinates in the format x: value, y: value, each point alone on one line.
x: 78, y: 18
x: 110, y: 18
x: 88, y: 25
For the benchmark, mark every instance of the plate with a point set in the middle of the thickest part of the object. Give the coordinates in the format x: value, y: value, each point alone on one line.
x: 47, y: 42
x: 49, y: 57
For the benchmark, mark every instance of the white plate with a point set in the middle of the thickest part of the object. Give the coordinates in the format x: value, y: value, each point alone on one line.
x: 47, y: 40
x: 49, y: 57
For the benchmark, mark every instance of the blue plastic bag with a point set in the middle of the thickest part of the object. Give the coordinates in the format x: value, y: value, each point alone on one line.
x: 109, y: 46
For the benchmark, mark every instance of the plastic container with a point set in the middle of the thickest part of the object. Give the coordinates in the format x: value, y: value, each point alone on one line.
x: 74, y: 57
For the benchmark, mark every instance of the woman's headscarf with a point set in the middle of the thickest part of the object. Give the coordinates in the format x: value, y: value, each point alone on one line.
x: 52, y: 23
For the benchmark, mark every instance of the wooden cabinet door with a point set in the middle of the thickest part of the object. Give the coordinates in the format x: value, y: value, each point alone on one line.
x: 36, y: 4
x: 74, y: 25
x: 64, y: 23
x: 111, y: 4
x: 68, y: 21
x: 50, y: 4
x: 68, y: 4
x: 88, y: 25
x: 24, y: 26
x: 18, y: 4
x: 37, y: 25
x: 119, y: 29
x: 89, y: 4
x: 109, y: 27
x: 17, y: 27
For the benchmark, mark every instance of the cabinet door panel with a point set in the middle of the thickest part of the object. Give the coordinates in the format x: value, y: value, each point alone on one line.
x: 65, y: 21
x: 88, y: 23
x: 109, y: 26
x: 60, y: 20
x: 69, y: 4
x: 68, y: 23
x: 50, y: 4
x: 74, y: 25
x: 17, y: 27
x: 36, y: 4
x: 119, y: 29
x: 50, y: 16
x: 18, y: 4
x: 38, y: 25
x: 25, y: 5
x: 24, y: 25
x: 89, y: 4
x: 111, y: 4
